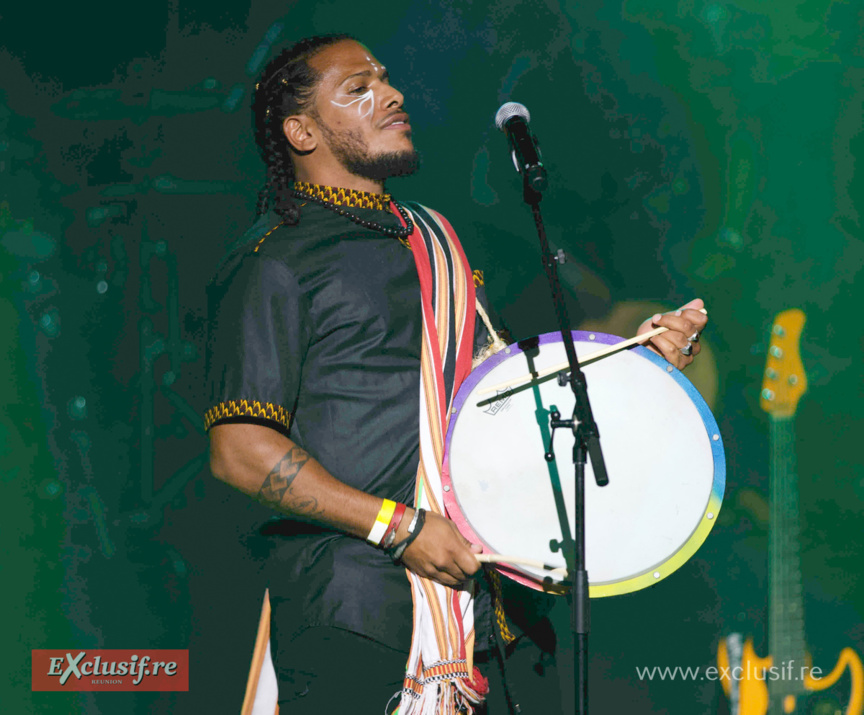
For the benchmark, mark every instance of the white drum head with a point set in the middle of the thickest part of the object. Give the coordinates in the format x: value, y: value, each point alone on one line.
x: 663, y: 452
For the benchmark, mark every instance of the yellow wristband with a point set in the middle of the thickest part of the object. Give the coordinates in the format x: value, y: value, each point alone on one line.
x: 382, y: 521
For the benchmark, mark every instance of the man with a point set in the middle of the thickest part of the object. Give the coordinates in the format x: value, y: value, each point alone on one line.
x: 324, y: 324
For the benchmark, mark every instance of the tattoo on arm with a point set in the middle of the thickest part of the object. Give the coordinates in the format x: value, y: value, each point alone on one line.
x: 281, y: 476
x: 278, y: 483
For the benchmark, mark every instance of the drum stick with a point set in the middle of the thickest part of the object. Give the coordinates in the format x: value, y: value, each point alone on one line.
x: 603, y: 352
x: 502, y: 559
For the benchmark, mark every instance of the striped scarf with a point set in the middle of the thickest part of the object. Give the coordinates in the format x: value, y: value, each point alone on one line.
x: 440, y: 677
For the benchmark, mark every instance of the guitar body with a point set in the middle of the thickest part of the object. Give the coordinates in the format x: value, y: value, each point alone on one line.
x: 818, y: 696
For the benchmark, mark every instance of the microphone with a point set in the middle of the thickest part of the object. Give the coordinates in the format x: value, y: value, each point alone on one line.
x: 512, y: 118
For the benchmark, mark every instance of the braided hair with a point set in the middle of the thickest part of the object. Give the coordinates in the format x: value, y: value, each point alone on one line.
x: 284, y: 88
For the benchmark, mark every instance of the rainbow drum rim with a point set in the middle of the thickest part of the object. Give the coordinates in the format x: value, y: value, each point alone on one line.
x: 649, y: 379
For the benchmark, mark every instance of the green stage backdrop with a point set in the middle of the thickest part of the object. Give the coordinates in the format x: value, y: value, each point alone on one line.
x: 694, y: 148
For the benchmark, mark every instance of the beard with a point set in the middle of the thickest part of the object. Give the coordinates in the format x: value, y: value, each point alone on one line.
x: 353, y: 153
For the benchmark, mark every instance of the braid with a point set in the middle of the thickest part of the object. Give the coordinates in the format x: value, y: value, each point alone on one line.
x: 284, y: 88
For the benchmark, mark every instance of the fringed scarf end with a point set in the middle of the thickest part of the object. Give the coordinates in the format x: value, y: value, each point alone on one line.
x: 436, y: 696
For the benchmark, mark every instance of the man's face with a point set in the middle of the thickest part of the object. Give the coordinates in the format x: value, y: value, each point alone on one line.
x: 360, y: 115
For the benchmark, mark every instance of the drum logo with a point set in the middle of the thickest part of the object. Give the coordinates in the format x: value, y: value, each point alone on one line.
x: 502, y: 403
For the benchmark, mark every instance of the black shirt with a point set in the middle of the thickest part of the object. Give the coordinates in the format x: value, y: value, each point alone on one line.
x: 315, y: 330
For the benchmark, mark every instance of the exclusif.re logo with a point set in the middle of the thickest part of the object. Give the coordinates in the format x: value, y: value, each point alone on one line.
x: 110, y: 670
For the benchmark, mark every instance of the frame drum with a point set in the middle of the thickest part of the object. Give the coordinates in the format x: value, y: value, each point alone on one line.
x: 663, y: 452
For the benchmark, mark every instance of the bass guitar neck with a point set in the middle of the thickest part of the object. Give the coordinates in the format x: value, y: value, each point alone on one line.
x: 785, y: 681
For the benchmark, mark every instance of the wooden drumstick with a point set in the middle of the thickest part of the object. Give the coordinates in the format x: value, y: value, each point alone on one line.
x: 502, y: 559
x: 603, y: 352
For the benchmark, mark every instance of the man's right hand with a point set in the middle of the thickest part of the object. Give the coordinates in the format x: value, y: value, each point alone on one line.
x: 439, y: 552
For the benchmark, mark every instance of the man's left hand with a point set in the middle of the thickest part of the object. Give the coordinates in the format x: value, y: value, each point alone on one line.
x: 680, y: 344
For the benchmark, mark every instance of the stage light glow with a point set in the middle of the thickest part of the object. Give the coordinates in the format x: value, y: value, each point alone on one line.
x: 77, y: 407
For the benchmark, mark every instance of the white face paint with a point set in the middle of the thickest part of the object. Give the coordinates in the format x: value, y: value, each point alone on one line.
x: 365, y: 102
x: 376, y: 68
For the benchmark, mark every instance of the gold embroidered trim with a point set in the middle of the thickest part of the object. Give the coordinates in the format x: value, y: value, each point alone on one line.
x: 498, y: 605
x: 258, y: 245
x: 345, y: 197
x: 478, y: 279
x: 247, y: 408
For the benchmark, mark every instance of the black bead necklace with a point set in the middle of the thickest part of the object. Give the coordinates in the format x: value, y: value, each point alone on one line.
x: 401, y: 232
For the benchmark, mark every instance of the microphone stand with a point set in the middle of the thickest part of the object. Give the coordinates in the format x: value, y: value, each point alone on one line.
x: 587, y: 443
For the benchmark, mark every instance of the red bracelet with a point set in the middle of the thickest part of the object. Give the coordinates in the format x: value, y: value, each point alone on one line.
x: 395, y: 520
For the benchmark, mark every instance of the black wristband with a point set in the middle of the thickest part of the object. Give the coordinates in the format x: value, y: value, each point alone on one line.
x: 395, y: 553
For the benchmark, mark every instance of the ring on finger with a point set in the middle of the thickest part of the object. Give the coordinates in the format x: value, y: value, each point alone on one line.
x: 686, y: 351
x: 694, y: 338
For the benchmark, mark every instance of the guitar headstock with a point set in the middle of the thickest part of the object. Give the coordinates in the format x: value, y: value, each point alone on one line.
x: 784, y: 381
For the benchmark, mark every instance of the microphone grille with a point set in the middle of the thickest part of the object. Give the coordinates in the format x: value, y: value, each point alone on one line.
x: 508, y: 111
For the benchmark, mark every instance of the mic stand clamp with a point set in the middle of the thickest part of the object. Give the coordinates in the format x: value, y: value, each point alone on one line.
x: 555, y: 422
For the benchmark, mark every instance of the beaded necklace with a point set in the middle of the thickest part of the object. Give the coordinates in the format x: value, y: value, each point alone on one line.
x: 401, y: 232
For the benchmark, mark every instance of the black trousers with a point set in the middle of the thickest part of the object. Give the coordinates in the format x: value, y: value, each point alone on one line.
x: 337, y: 671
